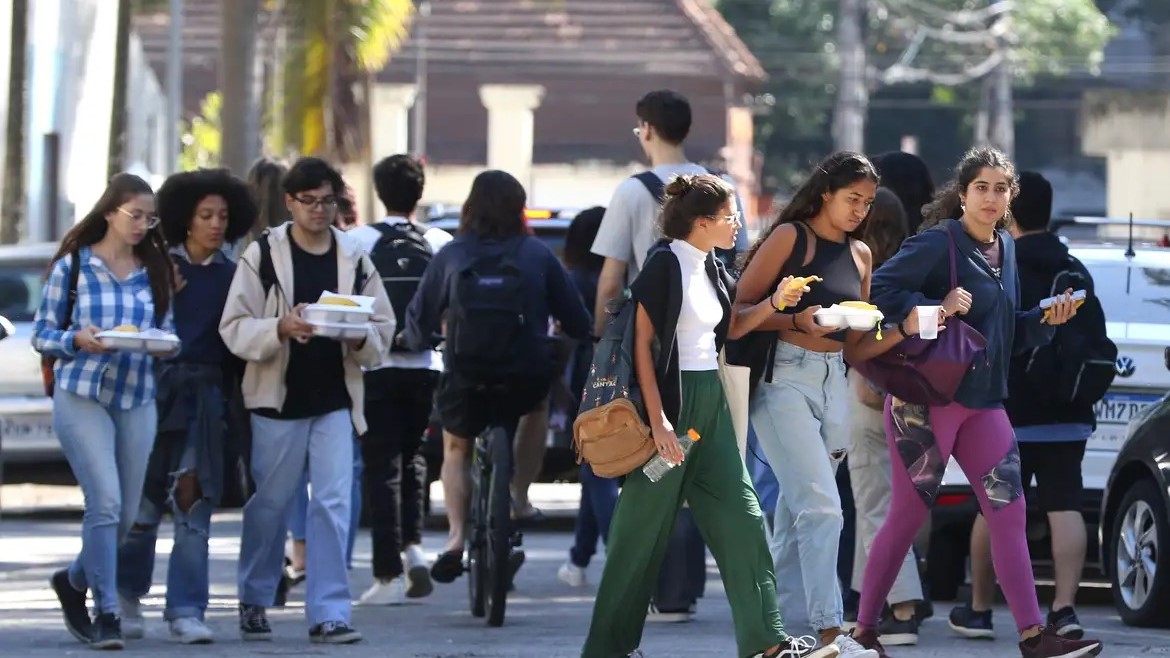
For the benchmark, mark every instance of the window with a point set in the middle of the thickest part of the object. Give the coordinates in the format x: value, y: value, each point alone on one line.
x: 20, y: 291
x: 1131, y: 293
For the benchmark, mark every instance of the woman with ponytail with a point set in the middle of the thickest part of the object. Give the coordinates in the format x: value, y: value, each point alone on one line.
x: 683, y: 296
x: 104, y: 401
x: 974, y: 426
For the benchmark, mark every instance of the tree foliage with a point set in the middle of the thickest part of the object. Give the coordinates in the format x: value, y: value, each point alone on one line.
x: 202, y: 136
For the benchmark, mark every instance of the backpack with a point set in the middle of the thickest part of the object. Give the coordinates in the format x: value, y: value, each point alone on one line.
x: 486, y: 338
x: 657, y: 189
x: 757, y: 349
x: 400, y: 255
x: 267, y: 271
x: 610, y: 432
x: 1078, y: 366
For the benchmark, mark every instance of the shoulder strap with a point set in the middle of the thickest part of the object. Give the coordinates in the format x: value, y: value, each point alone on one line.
x: 267, y: 271
x: 800, y: 245
x: 359, y: 275
x: 653, y: 184
x: 71, y: 293
x: 951, y: 249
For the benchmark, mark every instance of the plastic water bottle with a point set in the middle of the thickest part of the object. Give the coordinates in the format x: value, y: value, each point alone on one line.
x: 658, y: 466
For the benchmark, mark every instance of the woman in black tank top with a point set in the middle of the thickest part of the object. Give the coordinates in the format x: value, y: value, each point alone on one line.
x: 801, y: 416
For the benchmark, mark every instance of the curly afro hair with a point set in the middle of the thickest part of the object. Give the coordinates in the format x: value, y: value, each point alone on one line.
x: 181, y: 193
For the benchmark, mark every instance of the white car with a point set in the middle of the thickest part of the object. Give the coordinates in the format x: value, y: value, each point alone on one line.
x: 26, y: 414
x: 1134, y: 291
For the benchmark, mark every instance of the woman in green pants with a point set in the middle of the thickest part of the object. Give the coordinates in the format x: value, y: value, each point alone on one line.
x: 684, y: 303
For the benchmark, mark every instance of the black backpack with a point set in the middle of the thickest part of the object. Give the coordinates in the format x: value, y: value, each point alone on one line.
x: 400, y: 255
x: 1079, y: 365
x: 267, y: 272
x: 486, y: 339
x: 657, y: 189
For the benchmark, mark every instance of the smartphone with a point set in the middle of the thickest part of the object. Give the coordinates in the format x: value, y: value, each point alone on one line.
x: 1078, y: 296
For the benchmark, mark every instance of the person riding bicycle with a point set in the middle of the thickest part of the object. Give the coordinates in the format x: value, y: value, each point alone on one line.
x: 495, y: 287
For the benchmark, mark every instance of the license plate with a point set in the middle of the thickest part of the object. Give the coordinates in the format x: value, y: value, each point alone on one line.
x: 1113, y: 415
x: 26, y: 429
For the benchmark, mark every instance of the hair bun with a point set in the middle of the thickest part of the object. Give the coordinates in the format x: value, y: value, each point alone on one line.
x: 680, y: 185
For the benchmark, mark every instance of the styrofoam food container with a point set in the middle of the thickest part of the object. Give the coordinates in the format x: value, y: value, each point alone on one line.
x: 340, y: 330
x: 841, y: 317
x: 831, y: 317
x: 334, y: 314
x: 151, y: 340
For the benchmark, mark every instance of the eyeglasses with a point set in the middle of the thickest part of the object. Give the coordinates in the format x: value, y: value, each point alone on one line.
x: 325, y: 202
x: 730, y: 219
x: 139, y: 217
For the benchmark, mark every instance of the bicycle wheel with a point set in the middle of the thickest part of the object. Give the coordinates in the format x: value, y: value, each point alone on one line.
x: 499, y: 526
x: 475, y: 530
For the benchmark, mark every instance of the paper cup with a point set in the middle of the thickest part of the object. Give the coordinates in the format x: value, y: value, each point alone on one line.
x: 928, y: 322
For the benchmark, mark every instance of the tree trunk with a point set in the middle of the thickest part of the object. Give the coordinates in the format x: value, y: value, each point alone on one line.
x: 852, y: 95
x: 1003, y: 127
x: 237, y: 50
x: 13, y: 199
x: 982, y: 133
x: 118, y: 109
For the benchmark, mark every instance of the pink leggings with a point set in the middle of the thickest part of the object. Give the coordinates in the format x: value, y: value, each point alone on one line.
x: 979, y: 439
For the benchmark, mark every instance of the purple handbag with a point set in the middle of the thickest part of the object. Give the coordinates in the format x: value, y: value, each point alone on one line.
x: 928, y: 372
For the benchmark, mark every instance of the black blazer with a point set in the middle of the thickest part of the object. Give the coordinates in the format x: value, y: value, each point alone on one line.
x: 658, y: 288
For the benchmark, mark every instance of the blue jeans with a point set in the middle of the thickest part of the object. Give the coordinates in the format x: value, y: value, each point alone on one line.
x: 108, y: 450
x: 598, y: 497
x: 281, y: 449
x: 188, y: 567
x: 298, y: 511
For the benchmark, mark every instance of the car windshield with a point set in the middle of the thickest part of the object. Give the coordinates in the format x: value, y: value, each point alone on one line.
x: 1132, y: 294
x: 20, y: 291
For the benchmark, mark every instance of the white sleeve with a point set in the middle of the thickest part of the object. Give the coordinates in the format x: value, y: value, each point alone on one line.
x: 615, y: 236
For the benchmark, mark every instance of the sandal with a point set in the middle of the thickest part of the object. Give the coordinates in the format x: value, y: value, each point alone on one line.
x: 447, y: 567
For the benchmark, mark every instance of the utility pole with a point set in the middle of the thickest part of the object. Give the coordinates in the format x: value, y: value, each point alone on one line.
x: 237, y: 50
x: 420, y: 81
x: 12, y: 205
x: 852, y: 94
x: 174, y: 74
x: 117, y: 150
x: 1003, y: 130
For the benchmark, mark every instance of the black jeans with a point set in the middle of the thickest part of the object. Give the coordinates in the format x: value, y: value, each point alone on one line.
x: 398, y: 407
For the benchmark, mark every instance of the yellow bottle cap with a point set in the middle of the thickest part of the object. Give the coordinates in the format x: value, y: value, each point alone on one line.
x: 693, y: 434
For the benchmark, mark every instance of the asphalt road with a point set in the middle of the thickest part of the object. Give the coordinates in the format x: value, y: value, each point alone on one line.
x: 545, y: 617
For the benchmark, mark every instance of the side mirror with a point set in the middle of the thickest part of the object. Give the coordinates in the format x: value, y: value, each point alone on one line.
x: 6, y: 330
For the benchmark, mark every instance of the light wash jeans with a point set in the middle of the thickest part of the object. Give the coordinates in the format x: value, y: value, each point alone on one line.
x: 280, y: 451
x: 188, y: 577
x: 802, y: 423
x: 299, y: 510
x: 108, y: 450
x: 869, y: 473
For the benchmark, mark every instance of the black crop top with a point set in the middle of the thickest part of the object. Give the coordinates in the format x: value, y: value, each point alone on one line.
x: 834, y: 263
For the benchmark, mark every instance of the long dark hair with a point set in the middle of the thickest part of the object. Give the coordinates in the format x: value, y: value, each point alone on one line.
x: 689, y: 198
x: 909, y: 178
x: 836, y: 172
x: 152, y: 250
x: 886, y: 226
x: 264, y: 181
x: 494, y: 207
x: 578, y: 251
x: 947, y: 203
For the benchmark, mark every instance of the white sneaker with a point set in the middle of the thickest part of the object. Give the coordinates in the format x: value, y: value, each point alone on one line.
x: 133, y: 625
x: 385, y: 593
x: 806, y: 647
x: 418, y: 573
x: 851, y: 649
x: 189, y: 630
x: 571, y: 575
x: 656, y: 616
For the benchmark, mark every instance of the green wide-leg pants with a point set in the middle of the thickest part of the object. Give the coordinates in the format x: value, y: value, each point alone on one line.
x: 714, y: 482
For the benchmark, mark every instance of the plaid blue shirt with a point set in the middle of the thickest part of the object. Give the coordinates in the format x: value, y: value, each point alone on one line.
x: 123, y: 380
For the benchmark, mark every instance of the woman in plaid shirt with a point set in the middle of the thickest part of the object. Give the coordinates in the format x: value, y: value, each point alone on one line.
x: 104, y: 401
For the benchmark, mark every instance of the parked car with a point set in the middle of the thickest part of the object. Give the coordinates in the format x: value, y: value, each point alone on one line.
x: 26, y: 413
x: 1135, y: 519
x: 1133, y: 285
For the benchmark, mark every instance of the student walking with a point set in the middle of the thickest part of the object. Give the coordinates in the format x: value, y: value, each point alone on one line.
x: 306, y: 397
x: 684, y: 304
x: 111, y: 271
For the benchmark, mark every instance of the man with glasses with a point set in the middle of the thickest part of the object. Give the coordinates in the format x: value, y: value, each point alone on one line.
x: 305, y: 395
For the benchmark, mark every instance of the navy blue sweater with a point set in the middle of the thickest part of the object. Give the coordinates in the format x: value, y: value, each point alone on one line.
x: 549, y: 291
x: 919, y: 275
x: 198, y: 307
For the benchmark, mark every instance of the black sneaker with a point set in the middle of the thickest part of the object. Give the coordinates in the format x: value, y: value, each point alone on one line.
x: 107, y: 632
x: 1065, y: 623
x: 73, y: 607
x: 254, y: 624
x: 971, y: 624
x: 894, y: 632
x: 334, y: 632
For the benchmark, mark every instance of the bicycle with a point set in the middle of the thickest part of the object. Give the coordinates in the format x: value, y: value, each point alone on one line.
x: 489, y: 536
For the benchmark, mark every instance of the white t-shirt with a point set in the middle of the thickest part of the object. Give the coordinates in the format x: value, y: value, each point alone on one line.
x: 700, y: 312
x: 630, y: 226
x: 367, y: 236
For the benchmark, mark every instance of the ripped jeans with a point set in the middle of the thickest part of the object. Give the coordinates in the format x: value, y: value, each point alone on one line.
x: 188, y: 567
x: 801, y: 420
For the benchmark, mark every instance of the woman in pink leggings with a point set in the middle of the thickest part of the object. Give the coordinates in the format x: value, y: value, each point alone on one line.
x: 974, y: 427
